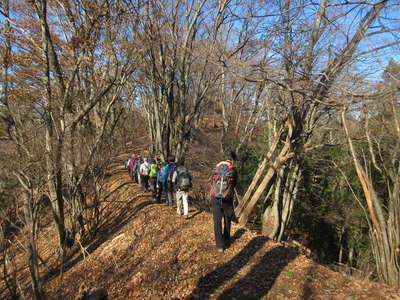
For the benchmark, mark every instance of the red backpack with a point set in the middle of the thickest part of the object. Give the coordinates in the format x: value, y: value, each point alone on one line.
x: 223, y: 177
x: 130, y: 164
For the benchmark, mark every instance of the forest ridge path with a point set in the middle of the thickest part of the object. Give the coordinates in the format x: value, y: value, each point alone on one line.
x: 149, y: 252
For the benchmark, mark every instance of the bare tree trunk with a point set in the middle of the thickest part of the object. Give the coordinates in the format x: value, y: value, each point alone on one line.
x: 257, y: 176
x: 272, y: 215
x: 305, y: 108
x: 179, y: 71
x: 6, y: 56
x: 384, y: 232
x: 284, y: 155
x: 30, y: 216
x: 9, y: 277
x: 276, y: 216
x: 289, y: 197
x: 350, y: 258
x: 53, y: 151
x: 341, y: 244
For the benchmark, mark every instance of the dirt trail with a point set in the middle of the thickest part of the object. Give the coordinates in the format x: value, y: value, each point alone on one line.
x: 147, y: 251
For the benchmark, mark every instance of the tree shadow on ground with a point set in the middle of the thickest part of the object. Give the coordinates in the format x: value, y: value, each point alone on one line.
x: 129, y: 182
x: 213, y: 280
x: 261, y: 278
x: 121, y: 214
x: 237, y: 235
x: 119, y: 171
x: 106, y: 230
x: 194, y: 214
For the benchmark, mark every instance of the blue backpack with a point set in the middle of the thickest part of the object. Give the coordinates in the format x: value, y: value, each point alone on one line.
x: 171, y: 170
x: 168, y: 172
x: 164, y: 175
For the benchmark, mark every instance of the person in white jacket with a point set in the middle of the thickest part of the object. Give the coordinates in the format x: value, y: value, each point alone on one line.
x: 144, y: 174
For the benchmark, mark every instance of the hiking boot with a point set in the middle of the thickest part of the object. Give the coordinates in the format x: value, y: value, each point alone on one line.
x: 186, y: 217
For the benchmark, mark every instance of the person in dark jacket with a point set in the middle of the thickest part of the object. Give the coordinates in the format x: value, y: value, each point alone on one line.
x: 159, y: 182
x: 167, y: 181
x: 222, y: 193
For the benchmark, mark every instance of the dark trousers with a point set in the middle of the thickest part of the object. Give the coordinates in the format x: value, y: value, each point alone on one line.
x: 152, y: 184
x: 133, y: 175
x: 159, y: 194
x: 145, y: 181
x: 170, y: 192
x: 222, y: 209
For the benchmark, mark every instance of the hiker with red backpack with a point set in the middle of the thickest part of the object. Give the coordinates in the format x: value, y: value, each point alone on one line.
x: 224, y: 180
x: 182, y: 181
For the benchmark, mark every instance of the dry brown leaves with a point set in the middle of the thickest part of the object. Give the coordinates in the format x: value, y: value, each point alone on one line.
x: 147, y: 251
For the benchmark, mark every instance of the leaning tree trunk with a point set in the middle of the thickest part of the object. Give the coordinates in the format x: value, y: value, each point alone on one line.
x: 277, y: 214
x: 272, y: 215
x: 306, y: 106
x: 257, y: 176
x: 285, y: 154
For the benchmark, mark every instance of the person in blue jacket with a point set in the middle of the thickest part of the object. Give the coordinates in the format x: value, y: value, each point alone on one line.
x: 168, y: 185
x: 159, y: 181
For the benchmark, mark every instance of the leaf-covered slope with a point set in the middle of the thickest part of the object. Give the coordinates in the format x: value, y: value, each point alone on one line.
x: 149, y: 252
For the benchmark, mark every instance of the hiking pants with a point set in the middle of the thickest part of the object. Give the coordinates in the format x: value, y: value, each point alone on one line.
x: 159, y: 194
x: 170, y: 195
x: 182, y: 199
x: 222, y: 209
x: 152, y: 185
x: 133, y: 175
x: 145, y: 182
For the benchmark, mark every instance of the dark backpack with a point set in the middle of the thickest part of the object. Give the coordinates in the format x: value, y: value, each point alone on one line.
x: 184, y: 181
x: 223, y: 178
x: 171, y: 170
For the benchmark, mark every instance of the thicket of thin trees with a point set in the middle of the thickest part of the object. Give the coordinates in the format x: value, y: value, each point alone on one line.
x: 304, y: 91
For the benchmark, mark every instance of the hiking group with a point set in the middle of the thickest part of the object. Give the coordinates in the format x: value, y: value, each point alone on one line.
x: 170, y: 179
x: 170, y: 182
